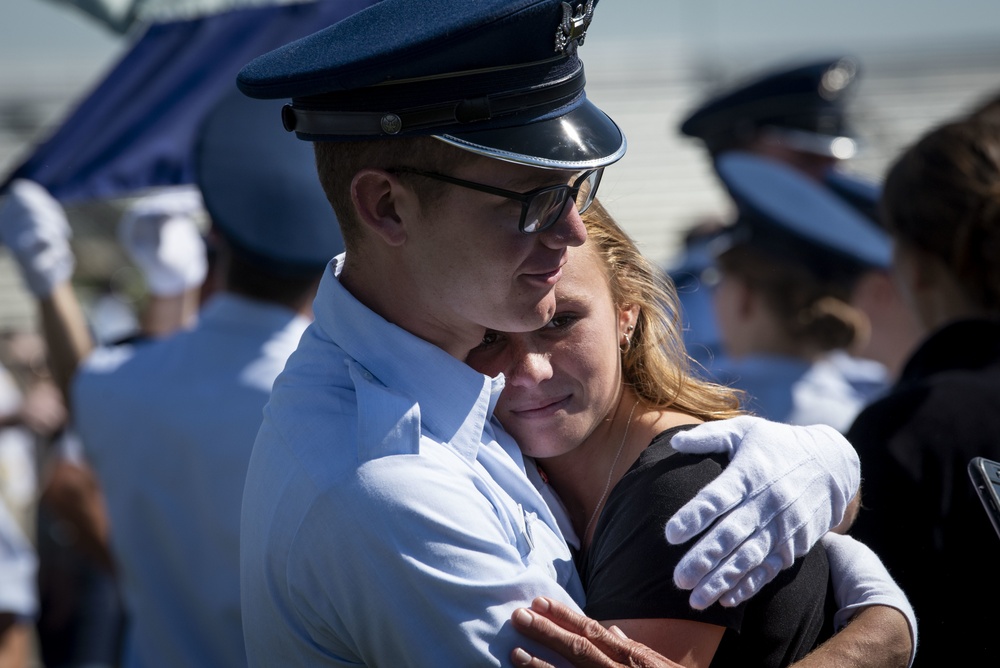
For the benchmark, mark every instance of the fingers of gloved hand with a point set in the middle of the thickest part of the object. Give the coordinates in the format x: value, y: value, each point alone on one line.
x: 161, y: 235
x: 784, y: 534
x: 727, y: 573
x: 770, y: 519
x: 139, y: 229
x: 713, y: 501
x: 764, y: 452
x: 704, y: 556
x: 717, y: 436
x: 169, y: 250
x: 753, y: 581
x: 34, y: 226
x: 182, y: 248
x: 29, y: 204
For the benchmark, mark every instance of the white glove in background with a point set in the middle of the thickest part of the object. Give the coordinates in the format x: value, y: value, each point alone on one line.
x: 784, y: 488
x: 160, y: 235
x: 33, y: 226
x: 860, y: 579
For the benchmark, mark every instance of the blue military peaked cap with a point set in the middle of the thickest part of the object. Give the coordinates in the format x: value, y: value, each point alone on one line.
x: 805, y: 106
x: 787, y: 214
x: 261, y: 189
x: 501, y: 78
x: 862, y: 193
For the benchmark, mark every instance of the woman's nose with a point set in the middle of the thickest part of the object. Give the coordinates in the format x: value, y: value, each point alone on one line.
x: 529, y: 369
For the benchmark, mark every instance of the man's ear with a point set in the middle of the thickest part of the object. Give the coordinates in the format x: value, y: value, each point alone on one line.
x: 381, y: 202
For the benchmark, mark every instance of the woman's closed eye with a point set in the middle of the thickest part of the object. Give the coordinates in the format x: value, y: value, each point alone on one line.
x: 562, y: 321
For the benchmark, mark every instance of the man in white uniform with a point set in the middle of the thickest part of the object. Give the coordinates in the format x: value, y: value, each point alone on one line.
x: 387, y: 518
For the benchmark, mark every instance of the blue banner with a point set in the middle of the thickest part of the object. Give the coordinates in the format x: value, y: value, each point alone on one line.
x: 136, y: 129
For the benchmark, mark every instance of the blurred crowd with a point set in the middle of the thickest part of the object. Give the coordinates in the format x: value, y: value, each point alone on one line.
x: 869, y: 305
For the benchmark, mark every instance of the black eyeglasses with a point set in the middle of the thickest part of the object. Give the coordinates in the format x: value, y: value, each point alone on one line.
x: 540, y: 208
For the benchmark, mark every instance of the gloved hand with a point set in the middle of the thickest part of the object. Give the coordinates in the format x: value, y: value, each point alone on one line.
x: 860, y: 579
x: 784, y: 488
x: 34, y: 226
x: 160, y: 234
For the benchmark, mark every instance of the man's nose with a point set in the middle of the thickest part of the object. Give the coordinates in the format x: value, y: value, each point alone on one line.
x: 569, y: 230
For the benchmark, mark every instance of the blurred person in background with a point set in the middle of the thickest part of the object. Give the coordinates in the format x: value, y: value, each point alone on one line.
x: 894, y: 332
x: 786, y: 270
x: 81, y: 617
x: 78, y: 613
x: 31, y: 415
x: 173, y: 483
x: 941, y: 205
x: 168, y: 423
x: 797, y: 113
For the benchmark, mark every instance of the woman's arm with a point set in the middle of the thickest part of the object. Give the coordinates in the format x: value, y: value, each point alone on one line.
x: 877, y: 637
x: 692, y: 644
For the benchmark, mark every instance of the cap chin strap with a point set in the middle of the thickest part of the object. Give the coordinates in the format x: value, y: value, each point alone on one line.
x: 322, y: 122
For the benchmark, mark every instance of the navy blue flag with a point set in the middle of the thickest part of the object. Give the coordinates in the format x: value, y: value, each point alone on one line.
x: 136, y: 129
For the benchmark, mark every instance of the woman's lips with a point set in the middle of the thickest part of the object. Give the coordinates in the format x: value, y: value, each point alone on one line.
x: 543, y: 408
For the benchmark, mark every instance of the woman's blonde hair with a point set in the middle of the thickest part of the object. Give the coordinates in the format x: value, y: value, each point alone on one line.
x: 655, y: 363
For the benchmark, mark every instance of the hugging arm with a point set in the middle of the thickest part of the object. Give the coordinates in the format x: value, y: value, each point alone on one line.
x: 876, y: 637
x: 875, y: 623
x: 784, y: 488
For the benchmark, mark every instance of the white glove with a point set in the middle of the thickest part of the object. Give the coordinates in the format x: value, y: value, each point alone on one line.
x: 34, y: 226
x: 860, y: 579
x: 161, y: 235
x: 784, y: 487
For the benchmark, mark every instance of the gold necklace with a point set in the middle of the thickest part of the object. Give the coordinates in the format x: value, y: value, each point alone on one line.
x: 611, y: 474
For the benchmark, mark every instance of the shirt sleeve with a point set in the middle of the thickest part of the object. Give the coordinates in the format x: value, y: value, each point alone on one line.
x: 415, y: 565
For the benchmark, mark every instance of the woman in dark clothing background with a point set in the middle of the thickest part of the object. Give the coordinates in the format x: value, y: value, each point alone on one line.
x: 941, y: 203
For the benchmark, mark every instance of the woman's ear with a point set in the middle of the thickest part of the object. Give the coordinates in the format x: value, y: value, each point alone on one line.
x: 628, y: 316
x: 381, y: 200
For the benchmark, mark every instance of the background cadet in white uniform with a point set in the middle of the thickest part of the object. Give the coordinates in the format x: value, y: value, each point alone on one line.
x: 387, y: 518
x: 168, y: 424
x: 787, y: 267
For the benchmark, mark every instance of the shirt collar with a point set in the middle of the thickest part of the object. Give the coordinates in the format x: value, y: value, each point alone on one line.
x: 231, y: 308
x: 456, y: 402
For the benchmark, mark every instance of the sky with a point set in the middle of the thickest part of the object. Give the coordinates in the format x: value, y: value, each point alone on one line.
x: 38, y: 31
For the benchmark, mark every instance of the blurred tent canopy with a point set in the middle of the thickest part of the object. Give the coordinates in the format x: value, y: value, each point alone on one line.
x: 137, y: 128
x: 123, y: 15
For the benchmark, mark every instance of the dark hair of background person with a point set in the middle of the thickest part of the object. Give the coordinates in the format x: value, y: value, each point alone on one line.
x: 955, y: 213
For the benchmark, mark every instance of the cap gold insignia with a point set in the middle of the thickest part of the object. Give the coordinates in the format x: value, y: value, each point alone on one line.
x: 836, y: 79
x: 573, y: 28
